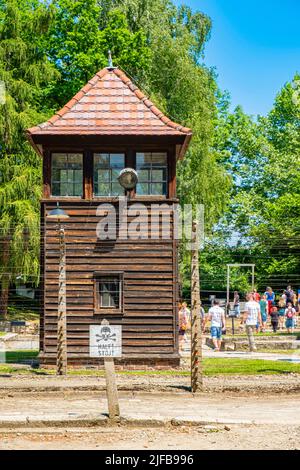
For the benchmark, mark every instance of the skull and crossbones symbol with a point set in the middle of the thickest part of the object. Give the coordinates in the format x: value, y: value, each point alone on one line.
x: 106, y: 335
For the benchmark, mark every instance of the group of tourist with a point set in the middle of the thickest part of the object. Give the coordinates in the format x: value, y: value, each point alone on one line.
x: 259, y: 309
x: 282, y: 312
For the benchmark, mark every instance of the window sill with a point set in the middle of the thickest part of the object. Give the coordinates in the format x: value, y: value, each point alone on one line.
x: 107, y: 312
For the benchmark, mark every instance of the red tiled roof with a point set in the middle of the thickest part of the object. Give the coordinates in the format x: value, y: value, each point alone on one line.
x: 110, y: 104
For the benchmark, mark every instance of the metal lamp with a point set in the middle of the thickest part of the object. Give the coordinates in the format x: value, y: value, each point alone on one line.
x: 57, y: 214
x: 128, y: 178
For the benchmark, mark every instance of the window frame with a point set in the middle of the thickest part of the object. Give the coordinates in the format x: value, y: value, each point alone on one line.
x: 110, y: 182
x: 68, y: 152
x: 87, y: 152
x: 150, y: 182
x: 98, y: 309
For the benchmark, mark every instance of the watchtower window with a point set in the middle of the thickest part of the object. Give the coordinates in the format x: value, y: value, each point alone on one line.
x: 67, y: 174
x: 107, y: 167
x: 152, y: 171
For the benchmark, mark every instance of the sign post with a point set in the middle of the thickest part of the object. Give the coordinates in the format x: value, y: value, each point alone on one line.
x: 106, y: 342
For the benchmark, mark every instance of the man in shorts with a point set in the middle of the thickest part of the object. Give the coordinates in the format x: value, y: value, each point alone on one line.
x: 252, y: 318
x: 216, y: 315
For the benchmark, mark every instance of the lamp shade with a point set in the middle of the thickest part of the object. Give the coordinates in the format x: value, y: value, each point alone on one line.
x: 57, y: 214
x: 128, y: 178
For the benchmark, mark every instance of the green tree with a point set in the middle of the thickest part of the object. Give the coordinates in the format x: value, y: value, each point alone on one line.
x: 79, y: 42
x: 25, y: 71
x: 263, y: 158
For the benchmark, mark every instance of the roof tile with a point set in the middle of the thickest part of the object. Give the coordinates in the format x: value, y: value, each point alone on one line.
x: 109, y: 103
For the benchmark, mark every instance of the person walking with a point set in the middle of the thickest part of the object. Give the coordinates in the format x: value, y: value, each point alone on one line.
x: 252, y: 317
x: 289, y: 295
x: 183, y: 325
x: 256, y: 295
x: 216, y: 315
x: 270, y: 298
x: 281, y: 312
x: 274, y: 318
x: 264, y: 312
x: 187, y: 311
x: 290, y: 313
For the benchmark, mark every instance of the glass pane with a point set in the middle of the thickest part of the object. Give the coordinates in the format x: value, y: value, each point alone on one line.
x: 103, y: 189
x: 75, y: 160
x: 115, y: 174
x: 78, y: 175
x: 56, y: 189
x: 159, y: 159
x: 117, y: 160
x: 142, y: 188
x: 105, y: 299
x: 144, y: 175
x: 70, y: 176
x: 116, y: 189
x: 103, y: 175
x: 55, y: 174
x: 157, y: 189
x: 64, y: 189
x: 59, y: 160
x: 63, y: 176
x: 101, y: 160
x: 143, y: 160
x: 110, y: 292
x: 158, y: 175
x: 78, y: 189
x: 114, y: 299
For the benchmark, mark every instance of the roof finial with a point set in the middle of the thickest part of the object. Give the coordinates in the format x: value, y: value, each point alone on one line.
x: 110, y: 62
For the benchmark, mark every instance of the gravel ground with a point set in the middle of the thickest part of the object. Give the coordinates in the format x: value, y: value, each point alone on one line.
x: 241, y: 385
x: 184, y: 438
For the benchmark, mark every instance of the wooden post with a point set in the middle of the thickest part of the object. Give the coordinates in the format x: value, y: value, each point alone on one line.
x: 228, y: 290
x: 196, y: 333
x: 111, y: 385
x: 62, y: 308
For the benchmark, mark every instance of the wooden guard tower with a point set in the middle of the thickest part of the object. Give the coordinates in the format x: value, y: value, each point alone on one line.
x: 110, y: 125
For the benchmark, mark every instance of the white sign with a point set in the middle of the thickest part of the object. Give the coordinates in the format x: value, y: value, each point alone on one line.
x: 105, y: 341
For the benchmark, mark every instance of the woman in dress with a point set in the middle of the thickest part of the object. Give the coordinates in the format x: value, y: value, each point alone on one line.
x: 183, y: 325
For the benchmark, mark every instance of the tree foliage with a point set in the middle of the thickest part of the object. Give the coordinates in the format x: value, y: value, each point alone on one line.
x: 25, y: 70
x: 262, y: 221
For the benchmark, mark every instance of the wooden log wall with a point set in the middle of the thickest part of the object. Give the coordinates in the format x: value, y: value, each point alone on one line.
x: 150, y: 295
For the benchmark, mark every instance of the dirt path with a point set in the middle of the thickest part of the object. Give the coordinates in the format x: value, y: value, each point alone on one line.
x: 185, y: 438
x: 144, y: 408
x: 240, y: 385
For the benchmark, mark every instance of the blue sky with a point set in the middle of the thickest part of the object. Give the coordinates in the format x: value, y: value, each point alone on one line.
x: 255, y: 47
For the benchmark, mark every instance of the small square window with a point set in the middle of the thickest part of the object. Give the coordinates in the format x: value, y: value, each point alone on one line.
x: 108, y: 293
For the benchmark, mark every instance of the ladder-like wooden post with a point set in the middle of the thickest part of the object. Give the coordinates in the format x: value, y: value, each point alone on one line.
x: 62, y: 308
x: 196, y: 326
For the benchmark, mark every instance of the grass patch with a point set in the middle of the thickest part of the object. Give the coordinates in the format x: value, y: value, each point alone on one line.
x: 16, y: 357
x: 2, y: 333
x: 227, y: 366
x: 267, y: 334
x: 294, y: 352
x: 212, y: 367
